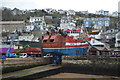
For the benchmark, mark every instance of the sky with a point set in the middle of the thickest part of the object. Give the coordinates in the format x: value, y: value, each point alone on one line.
x: 78, y: 5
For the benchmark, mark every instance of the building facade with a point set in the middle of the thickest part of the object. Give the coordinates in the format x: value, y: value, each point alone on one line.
x: 29, y: 28
x: 67, y: 23
x: 117, y: 44
x: 61, y: 11
x: 115, y: 14
x: 97, y: 23
x: 10, y: 26
x: 37, y: 20
x: 71, y: 12
x: 102, y: 12
x: 84, y: 12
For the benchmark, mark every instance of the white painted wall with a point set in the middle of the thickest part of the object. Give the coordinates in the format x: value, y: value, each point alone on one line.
x: 117, y: 44
x: 26, y: 38
x: 29, y: 28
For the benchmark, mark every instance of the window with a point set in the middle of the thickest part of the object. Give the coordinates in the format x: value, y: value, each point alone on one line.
x: 82, y: 42
x: 118, y: 36
x: 52, y: 40
x: 99, y: 45
x: 44, y: 40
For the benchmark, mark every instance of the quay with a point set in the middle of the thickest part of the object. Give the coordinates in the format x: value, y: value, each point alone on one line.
x: 29, y: 72
x: 70, y: 68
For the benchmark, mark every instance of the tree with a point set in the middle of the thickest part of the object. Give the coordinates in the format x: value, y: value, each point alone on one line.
x: 7, y: 15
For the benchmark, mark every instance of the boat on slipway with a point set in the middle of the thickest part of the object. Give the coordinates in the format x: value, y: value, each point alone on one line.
x: 69, y: 42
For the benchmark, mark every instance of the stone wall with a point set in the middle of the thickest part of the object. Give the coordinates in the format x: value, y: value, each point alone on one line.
x: 25, y: 61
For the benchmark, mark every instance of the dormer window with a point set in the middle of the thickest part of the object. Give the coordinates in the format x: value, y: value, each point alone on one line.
x: 52, y: 40
x: 44, y: 40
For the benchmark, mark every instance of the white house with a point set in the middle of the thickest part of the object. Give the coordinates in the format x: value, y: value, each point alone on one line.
x: 48, y: 17
x: 102, y: 12
x: 61, y: 11
x: 32, y: 10
x: 117, y: 44
x: 84, y: 12
x: 71, y: 12
x: 27, y: 37
x: 49, y: 10
x: 37, y: 21
x: 67, y: 23
x: 114, y: 14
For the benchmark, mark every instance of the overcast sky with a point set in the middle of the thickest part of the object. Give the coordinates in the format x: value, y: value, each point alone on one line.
x: 77, y: 5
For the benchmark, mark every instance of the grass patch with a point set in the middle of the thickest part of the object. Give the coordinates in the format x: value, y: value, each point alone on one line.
x: 23, y: 75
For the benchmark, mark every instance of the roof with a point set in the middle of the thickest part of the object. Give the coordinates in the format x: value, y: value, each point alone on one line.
x: 4, y: 50
x: 72, y: 30
x: 11, y: 22
x: 46, y: 37
x: 36, y: 17
x: 116, y: 50
x: 53, y: 36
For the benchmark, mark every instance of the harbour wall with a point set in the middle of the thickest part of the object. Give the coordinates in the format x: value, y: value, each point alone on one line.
x: 9, y: 62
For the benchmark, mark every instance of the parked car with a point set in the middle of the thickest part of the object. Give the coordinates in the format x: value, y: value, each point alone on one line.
x: 48, y: 55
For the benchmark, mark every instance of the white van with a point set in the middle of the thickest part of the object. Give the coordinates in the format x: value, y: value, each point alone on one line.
x: 23, y: 55
x: 48, y: 55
